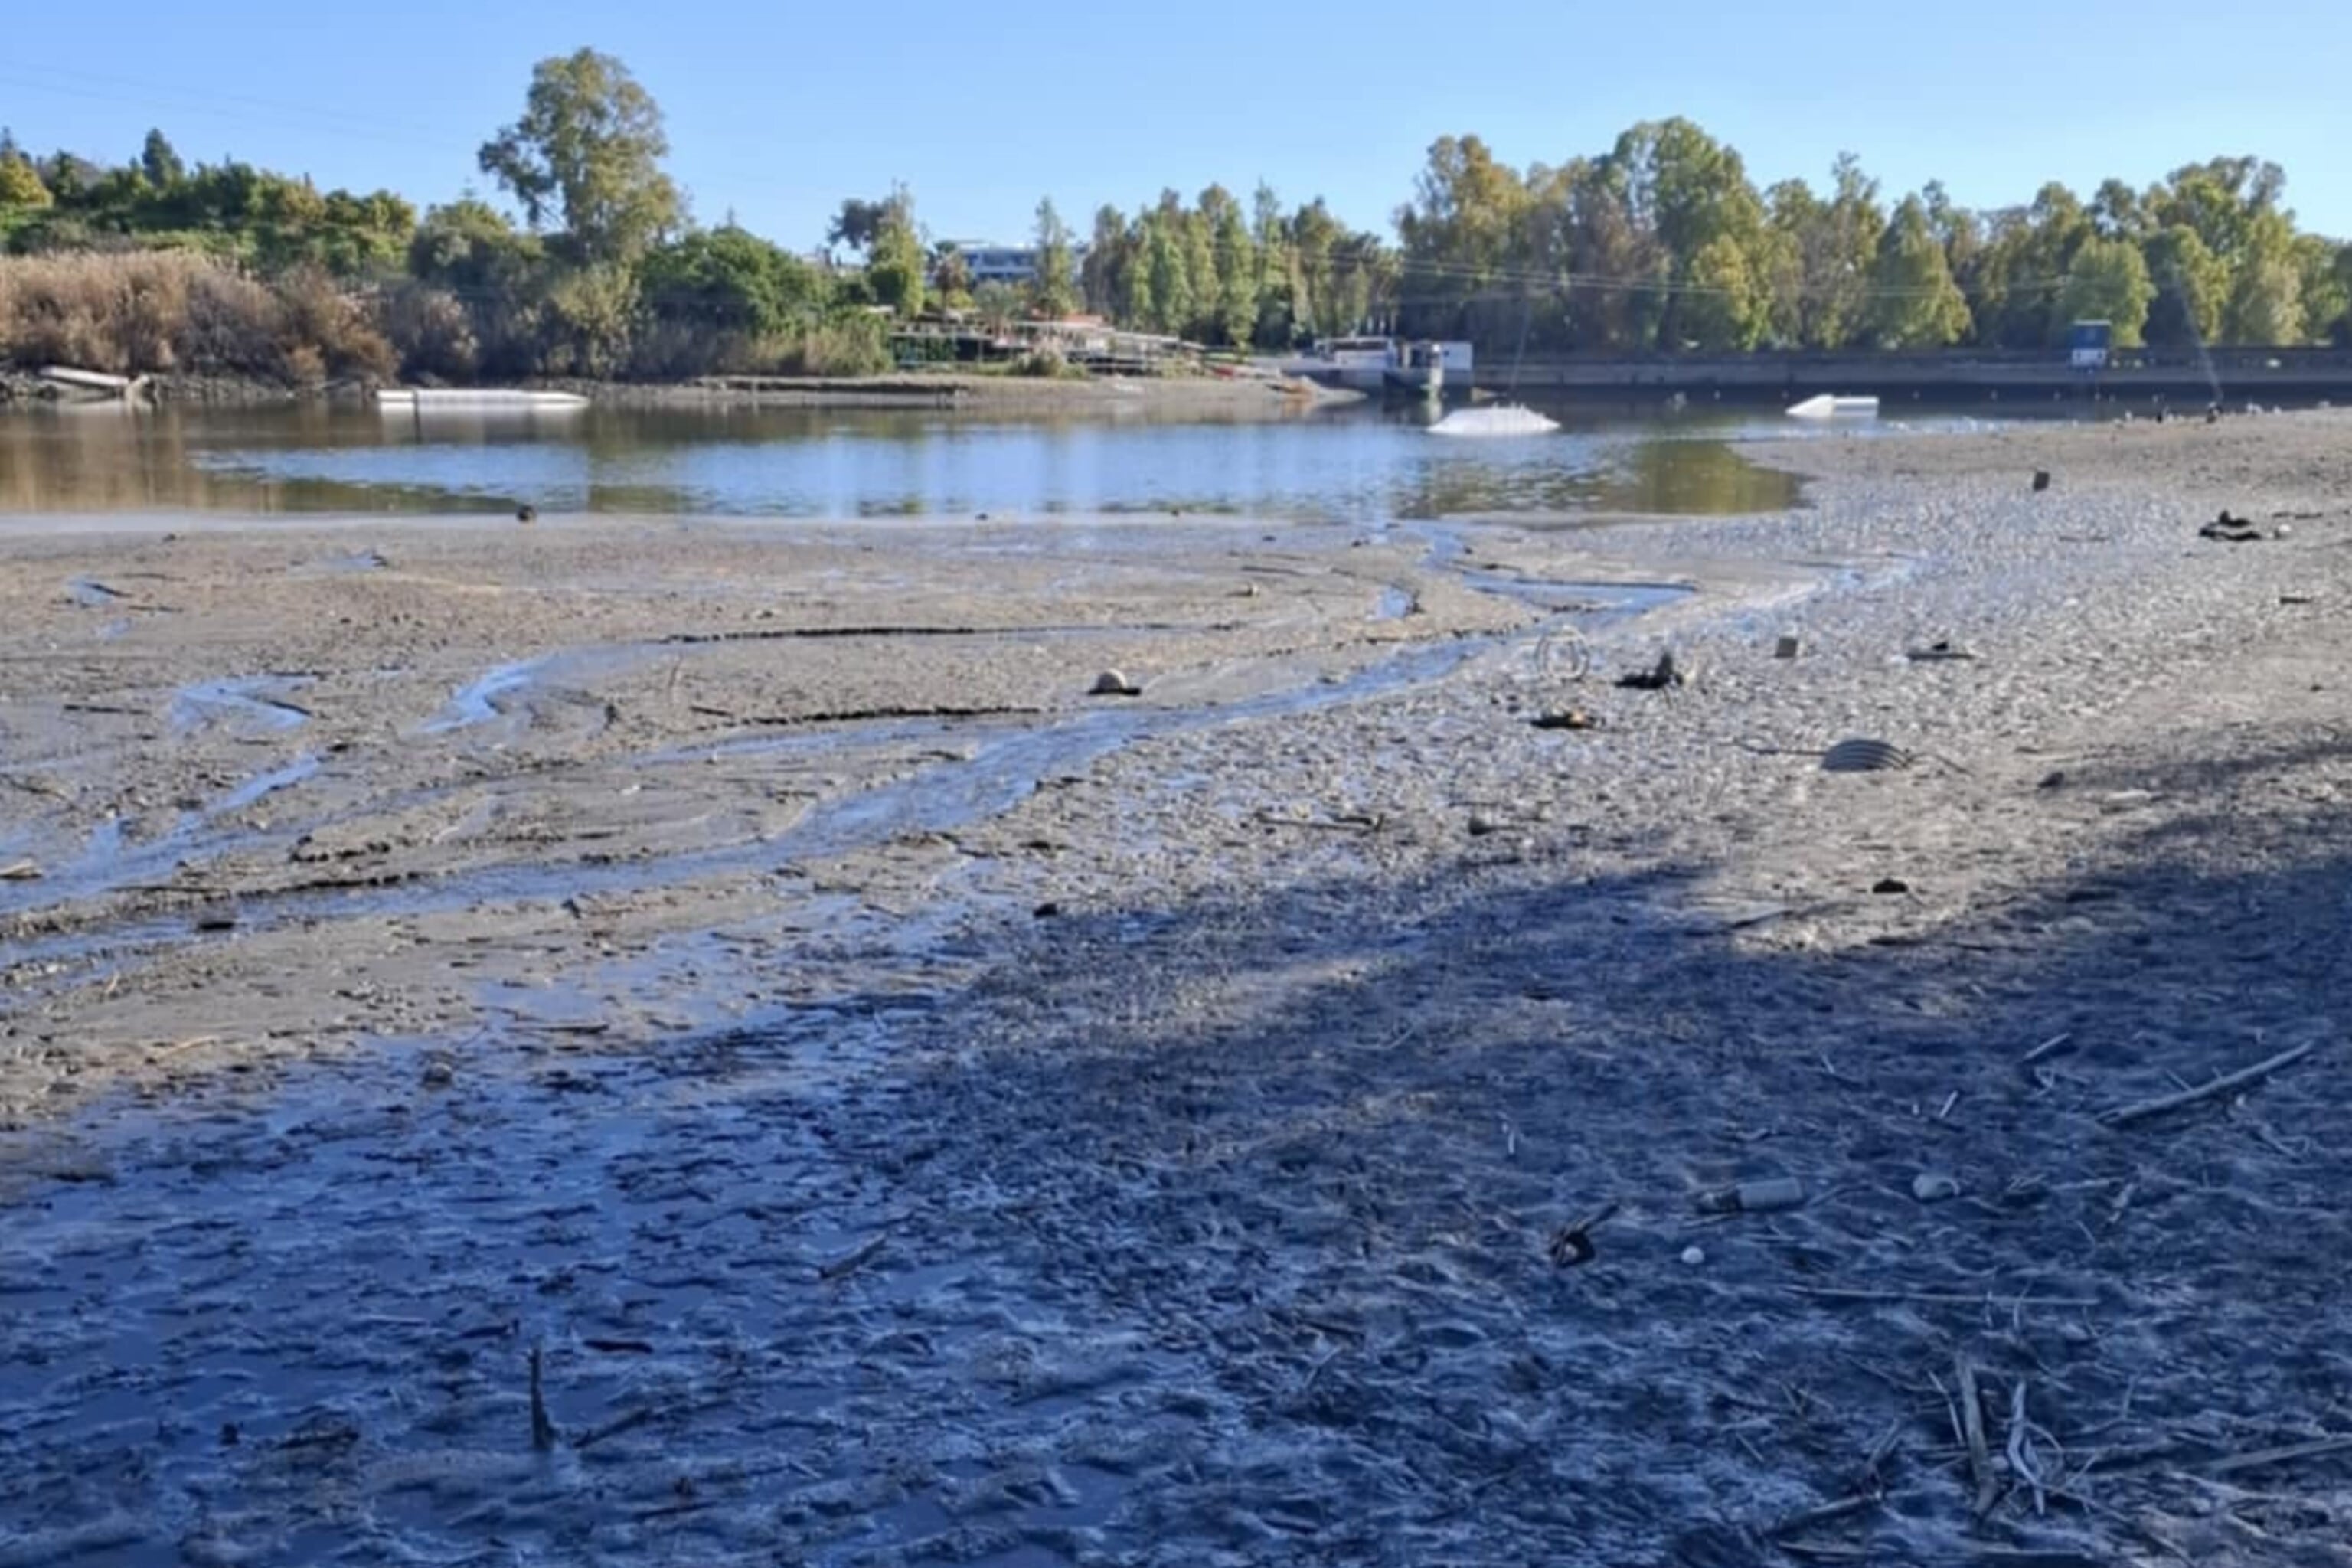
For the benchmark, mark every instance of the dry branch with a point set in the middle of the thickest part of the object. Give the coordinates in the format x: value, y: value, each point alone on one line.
x: 2125, y: 1115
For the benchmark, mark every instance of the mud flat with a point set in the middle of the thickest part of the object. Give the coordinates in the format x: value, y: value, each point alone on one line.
x: 918, y: 1111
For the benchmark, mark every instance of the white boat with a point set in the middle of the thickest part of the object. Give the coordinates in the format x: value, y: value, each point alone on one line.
x: 473, y: 399
x: 1494, y: 419
x: 1822, y: 405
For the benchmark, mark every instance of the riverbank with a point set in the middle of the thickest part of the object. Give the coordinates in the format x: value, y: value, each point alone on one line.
x: 1208, y: 396
x: 704, y: 997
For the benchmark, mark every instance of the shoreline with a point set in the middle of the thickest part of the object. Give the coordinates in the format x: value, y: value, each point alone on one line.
x: 24, y: 386
x: 1339, y: 1008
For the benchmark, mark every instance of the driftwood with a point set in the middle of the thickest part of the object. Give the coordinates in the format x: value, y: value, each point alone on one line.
x: 1972, y: 1430
x: 2125, y: 1115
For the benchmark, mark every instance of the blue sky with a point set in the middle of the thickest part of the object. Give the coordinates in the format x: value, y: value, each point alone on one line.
x: 777, y: 111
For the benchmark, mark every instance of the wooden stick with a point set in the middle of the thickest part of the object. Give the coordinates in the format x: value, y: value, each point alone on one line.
x: 1972, y: 1424
x: 2125, y: 1115
x: 2264, y: 1457
x: 2046, y: 1047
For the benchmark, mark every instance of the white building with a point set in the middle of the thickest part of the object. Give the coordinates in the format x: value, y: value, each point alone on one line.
x: 1012, y: 264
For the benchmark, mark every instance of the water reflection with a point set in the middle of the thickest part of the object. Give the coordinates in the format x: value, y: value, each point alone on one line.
x: 1354, y: 466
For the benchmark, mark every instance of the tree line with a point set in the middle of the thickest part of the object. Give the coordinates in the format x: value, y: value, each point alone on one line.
x: 1660, y: 244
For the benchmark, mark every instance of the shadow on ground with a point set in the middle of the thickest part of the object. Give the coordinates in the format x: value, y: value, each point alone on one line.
x: 1219, y: 1234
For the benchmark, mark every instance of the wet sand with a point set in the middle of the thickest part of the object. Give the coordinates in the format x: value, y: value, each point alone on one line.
x: 924, y: 1112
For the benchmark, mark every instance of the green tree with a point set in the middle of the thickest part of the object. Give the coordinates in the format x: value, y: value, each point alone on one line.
x: 1053, y: 290
x: 1722, y: 308
x: 2108, y: 281
x: 1234, y: 265
x: 588, y: 151
x: 859, y: 223
x: 894, y: 265
x: 2193, y: 288
x: 21, y: 185
x: 1914, y: 303
x: 728, y: 279
x: 2327, y: 285
x: 160, y: 163
x: 2266, y: 288
x: 1461, y: 236
x: 951, y: 277
x: 1691, y: 193
x: 1102, y: 277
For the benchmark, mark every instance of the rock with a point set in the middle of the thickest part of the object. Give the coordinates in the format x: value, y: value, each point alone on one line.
x: 2040, y: 481
x: 1565, y: 719
x: 526, y: 513
x: 1482, y: 825
x: 2055, y: 779
x: 1693, y: 1256
x: 1890, y: 885
x: 1046, y: 911
x: 1933, y: 1187
x: 1787, y: 647
x: 1247, y: 590
x: 1112, y: 683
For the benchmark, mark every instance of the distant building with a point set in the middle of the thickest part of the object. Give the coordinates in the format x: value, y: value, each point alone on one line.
x: 1012, y: 264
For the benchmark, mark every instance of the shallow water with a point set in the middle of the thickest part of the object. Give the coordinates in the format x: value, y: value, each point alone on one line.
x: 1361, y: 465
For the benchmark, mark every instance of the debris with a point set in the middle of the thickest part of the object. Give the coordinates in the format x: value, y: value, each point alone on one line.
x: 1663, y: 676
x: 1693, y: 1256
x: 21, y: 871
x: 1112, y: 683
x: 1933, y: 1187
x: 2052, y: 780
x: 1572, y: 1243
x: 2297, y: 599
x: 849, y: 1261
x: 1890, y: 885
x: 619, y: 1347
x: 526, y: 513
x: 1787, y: 647
x: 1247, y: 590
x: 439, y: 1072
x: 1937, y: 653
x: 1862, y: 755
x: 2040, y: 481
x: 1565, y: 719
x: 216, y: 921
x: 2125, y: 1115
x: 1764, y: 1196
x: 1046, y: 911
x: 2231, y: 530
x: 2053, y: 1043
x: 2265, y: 1457
x: 1481, y: 825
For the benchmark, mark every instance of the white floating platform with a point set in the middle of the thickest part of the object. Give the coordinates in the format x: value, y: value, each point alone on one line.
x: 1496, y: 419
x: 1824, y: 406
x: 474, y: 400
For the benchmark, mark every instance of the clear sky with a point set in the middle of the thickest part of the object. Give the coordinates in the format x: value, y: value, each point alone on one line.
x: 777, y: 111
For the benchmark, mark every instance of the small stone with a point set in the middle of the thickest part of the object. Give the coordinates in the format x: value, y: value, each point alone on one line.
x: 1565, y: 719
x: 1482, y: 825
x: 2281, y: 531
x: 1787, y: 647
x: 1933, y: 1187
x: 1890, y: 885
x: 1693, y: 1256
x: 1112, y: 683
x: 439, y: 1073
x: 1046, y: 911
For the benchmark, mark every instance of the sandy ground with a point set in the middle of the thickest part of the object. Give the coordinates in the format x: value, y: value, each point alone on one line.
x: 918, y: 1111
